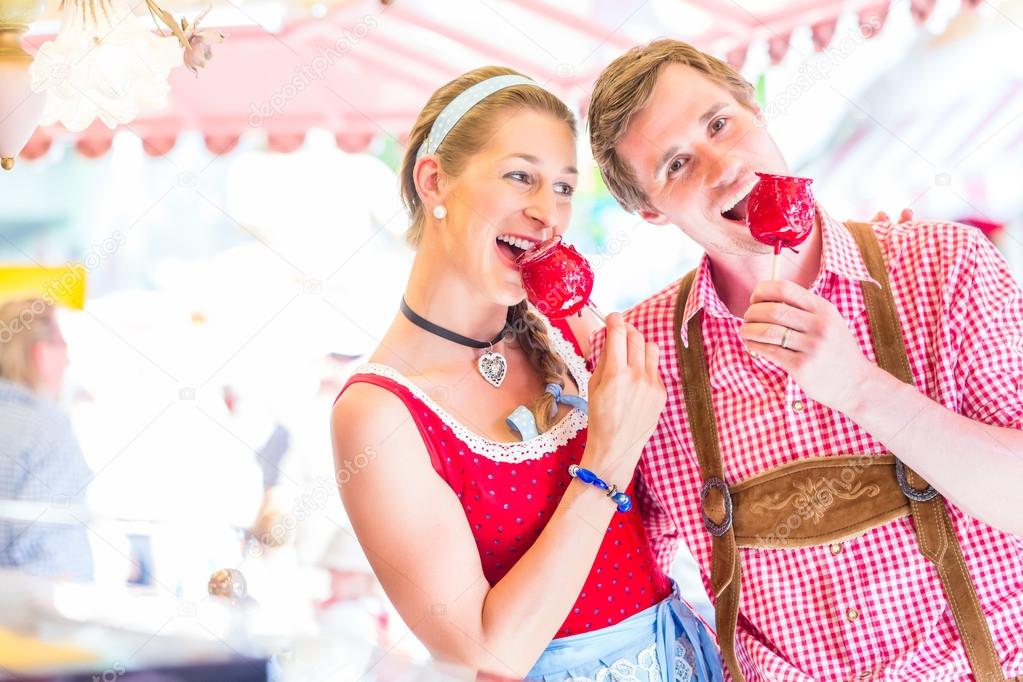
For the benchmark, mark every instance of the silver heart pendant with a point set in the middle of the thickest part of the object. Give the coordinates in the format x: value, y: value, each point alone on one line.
x: 493, y: 367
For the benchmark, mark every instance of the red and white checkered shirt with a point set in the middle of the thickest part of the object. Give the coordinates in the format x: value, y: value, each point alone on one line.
x: 871, y: 607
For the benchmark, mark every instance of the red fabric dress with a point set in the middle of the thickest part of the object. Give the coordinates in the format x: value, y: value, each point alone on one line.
x: 510, y: 490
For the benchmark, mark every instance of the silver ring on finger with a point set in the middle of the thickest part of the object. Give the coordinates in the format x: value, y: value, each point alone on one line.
x: 785, y: 338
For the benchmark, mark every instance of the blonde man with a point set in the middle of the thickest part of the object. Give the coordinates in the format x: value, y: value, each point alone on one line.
x: 40, y: 460
x: 841, y: 447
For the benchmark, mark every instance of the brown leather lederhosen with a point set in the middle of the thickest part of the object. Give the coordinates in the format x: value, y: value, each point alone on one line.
x: 822, y: 500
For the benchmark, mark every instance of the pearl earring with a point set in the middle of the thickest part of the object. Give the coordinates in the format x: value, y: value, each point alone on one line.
x: 439, y: 212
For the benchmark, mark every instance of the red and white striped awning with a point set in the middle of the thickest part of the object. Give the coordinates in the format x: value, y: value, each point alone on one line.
x: 365, y: 68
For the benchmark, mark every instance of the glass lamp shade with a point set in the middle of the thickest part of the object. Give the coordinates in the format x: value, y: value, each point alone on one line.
x: 103, y: 63
x: 20, y: 107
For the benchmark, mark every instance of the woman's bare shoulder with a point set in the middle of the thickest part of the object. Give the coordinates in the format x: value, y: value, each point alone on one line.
x: 367, y: 415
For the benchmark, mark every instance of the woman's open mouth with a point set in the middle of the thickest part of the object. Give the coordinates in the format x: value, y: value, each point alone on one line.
x: 512, y: 246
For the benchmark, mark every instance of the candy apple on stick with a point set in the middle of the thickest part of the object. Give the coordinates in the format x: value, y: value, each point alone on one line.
x: 557, y: 279
x: 780, y: 212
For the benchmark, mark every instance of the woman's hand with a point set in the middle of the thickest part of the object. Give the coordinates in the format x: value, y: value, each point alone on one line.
x: 626, y: 397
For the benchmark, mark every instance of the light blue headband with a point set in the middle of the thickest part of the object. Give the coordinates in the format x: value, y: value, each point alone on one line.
x: 465, y: 101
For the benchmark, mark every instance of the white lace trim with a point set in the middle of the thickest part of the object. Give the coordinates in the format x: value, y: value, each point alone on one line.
x: 627, y: 669
x: 534, y: 448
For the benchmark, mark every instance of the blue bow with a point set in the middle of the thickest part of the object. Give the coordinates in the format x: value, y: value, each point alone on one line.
x: 522, y: 421
x: 570, y: 400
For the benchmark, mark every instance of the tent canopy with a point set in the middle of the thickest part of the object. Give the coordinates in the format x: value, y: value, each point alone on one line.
x: 362, y: 69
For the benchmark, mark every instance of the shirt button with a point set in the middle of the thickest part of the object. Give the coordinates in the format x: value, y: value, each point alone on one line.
x: 866, y: 674
x: 852, y: 614
x: 836, y: 548
x: 798, y: 406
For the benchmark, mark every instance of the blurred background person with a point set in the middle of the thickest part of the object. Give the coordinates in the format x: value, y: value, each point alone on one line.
x: 301, y: 547
x: 40, y: 460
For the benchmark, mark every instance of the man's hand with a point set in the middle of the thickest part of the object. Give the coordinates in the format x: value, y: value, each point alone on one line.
x: 806, y: 336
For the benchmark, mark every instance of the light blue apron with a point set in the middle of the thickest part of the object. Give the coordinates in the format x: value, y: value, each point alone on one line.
x: 664, y: 643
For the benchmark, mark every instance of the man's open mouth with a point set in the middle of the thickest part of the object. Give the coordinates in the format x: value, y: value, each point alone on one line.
x: 734, y: 206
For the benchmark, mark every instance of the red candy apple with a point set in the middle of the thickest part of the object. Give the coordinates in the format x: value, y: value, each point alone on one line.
x: 556, y: 277
x: 780, y: 211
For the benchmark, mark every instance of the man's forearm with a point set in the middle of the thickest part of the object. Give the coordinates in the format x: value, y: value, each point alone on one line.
x: 976, y: 466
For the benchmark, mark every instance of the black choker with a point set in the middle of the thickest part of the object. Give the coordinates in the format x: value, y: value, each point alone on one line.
x: 491, y: 364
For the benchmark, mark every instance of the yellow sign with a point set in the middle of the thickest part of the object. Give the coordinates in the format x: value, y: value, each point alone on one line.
x: 60, y: 285
x: 24, y: 654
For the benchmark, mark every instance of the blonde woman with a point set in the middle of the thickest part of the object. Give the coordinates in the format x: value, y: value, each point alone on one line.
x: 486, y: 472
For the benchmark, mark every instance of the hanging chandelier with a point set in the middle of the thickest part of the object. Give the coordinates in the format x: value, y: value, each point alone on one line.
x: 104, y: 63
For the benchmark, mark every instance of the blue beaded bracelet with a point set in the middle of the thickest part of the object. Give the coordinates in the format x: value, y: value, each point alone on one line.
x: 623, y: 501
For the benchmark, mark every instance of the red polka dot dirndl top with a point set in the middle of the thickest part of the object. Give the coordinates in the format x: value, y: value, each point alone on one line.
x: 510, y: 490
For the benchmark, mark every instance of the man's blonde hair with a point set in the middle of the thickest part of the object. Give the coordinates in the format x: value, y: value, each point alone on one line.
x: 624, y: 87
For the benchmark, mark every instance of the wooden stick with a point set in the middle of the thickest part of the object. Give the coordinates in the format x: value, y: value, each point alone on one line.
x: 774, y: 266
x: 593, y: 308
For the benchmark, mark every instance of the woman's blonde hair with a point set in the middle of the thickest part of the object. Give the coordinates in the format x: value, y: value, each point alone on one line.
x: 470, y: 134
x: 23, y: 324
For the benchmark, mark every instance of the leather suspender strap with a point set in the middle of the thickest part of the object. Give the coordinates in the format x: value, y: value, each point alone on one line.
x: 934, y: 531
x: 726, y: 574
